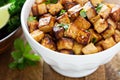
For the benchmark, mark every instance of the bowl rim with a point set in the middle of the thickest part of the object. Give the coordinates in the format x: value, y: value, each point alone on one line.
x: 25, y: 30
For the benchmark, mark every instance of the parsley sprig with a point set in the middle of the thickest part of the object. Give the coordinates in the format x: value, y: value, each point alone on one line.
x: 22, y: 55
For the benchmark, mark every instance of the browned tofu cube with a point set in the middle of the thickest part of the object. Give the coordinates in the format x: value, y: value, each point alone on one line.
x: 48, y: 42
x: 65, y: 51
x: 54, y: 8
x: 77, y: 48
x: 99, y: 48
x: 39, y: 1
x: 112, y: 23
x: 89, y: 49
x: 64, y: 19
x: 68, y: 5
x: 65, y: 43
x: 81, y: 2
x: 33, y: 25
x: 74, y: 11
x: 83, y: 37
x: 82, y: 23
x: 95, y: 37
x: 116, y: 36
x: 100, y: 25
x: 108, y: 32
x: 35, y: 9
x: 72, y: 31
x: 46, y: 23
x: 105, y: 11
x: 59, y: 32
x: 37, y: 35
x: 96, y: 2
x: 118, y: 26
x: 115, y: 14
x: 42, y: 8
x: 94, y: 19
x: 109, y: 42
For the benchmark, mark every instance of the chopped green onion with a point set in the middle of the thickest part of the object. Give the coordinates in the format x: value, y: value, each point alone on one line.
x: 99, y: 7
x: 83, y: 13
x: 62, y: 12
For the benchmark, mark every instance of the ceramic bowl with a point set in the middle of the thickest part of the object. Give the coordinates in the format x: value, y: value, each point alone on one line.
x: 67, y: 65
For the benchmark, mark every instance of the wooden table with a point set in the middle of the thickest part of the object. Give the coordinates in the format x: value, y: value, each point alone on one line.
x: 42, y: 71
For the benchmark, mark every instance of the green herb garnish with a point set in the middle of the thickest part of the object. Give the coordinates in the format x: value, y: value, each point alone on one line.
x: 62, y: 12
x: 83, y: 13
x: 94, y: 40
x: 31, y: 18
x: 22, y: 55
x: 99, y: 7
x: 51, y: 1
x: 65, y: 26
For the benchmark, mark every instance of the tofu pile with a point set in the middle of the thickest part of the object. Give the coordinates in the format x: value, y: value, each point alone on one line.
x: 61, y: 27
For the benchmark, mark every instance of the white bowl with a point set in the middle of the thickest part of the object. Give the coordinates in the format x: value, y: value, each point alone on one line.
x: 67, y: 65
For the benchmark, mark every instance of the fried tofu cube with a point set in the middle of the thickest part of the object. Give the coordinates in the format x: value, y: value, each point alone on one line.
x: 77, y: 48
x: 64, y: 19
x: 89, y: 49
x: 48, y: 42
x: 35, y: 9
x: 33, y: 25
x: 116, y: 36
x: 39, y: 1
x: 105, y: 11
x: 58, y: 31
x: 95, y: 37
x: 68, y: 5
x: 100, y: 25
x: 83, y: 37
x: 72, y: 31
x: 81, y: 2
x: 54, y: 8
x: 46, y: 23
x: 91, y: 13
x: 112, y: 23
x: 115, y: 14
x: 94, y: 19
x: 74, y: 11
x: 118, y: 26
x: 99, y: 48
x: 37, y: 35
x: 82, y: 23
x: 107, y: 43
x: 108, y: 32
x: 96, y: 2
x: 42, y: 8
x: 65, y: 43
x: 65, y: 51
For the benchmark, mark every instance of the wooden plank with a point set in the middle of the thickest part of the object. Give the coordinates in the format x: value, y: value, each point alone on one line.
x: 50, y: 74
x: 66, y: 78
x: 97, y: 75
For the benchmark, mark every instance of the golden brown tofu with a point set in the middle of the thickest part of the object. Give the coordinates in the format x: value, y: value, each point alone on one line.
x: 89, y: 49
x: 77, y: 48
x: 58, y: 32
x: 96, y: 2
x: 46, y: 23
x: 100, y: 25
x: 33, y: 25
x: 37, y: 35
x: 69, y: 5
x: 65, y: 51
x: 82, y: 23
x: 112, y: 23
x: 105, y: 11
x: 39, y: 1
x: 108, y: 32
x: 91, y: 13
x: 107, y: 43
x: 115, y: 14
x: 116, y: 36
x: 64, y: 19
x: 94, y: 19
x: 42, y: 8
x: 54, y: 8
x: 95, y: 37
x: 72, y: 31
x: 81, y: 2
x: 35, y: 10
x: 118, y: 26
x: 74, y: 11
x: 65, y: 43
x: 48, y: 42
x: 99, y: 48
x: 83, y: 37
